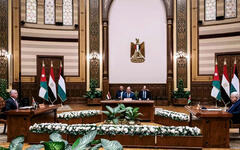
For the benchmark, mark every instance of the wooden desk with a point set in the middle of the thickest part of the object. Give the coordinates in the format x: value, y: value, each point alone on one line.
x: 19, y: 121
x: 145, y: 107
x: 214, y: 126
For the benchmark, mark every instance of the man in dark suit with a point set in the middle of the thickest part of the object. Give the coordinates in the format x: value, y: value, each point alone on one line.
x: 235, y: 108
x: 144, y: 94
x: 120, y: 92
x: 12, y: 103
x: 129, y: 94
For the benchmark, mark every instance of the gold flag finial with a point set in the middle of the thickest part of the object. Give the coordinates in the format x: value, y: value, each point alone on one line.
x: 235, y: 60
x: 225, y: 62
x: 43, y: 64
x: 61, y: 64
x: 216, y: 62
x: 51, y: 63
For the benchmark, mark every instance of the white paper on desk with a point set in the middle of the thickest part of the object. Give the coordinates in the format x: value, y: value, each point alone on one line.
x: 26, y: 107
x: 213, y: 109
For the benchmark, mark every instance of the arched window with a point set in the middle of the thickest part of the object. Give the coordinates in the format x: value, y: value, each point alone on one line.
x: 230, y: 8
x: 67, y: 12
x: 210, y: 10
x: 49, y: 6
x: 31, y: 11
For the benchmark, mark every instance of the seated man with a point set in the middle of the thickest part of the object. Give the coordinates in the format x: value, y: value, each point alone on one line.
x: 144, y: 94
x: 12, y: 103
x: 235, y: 108
x: 129, y: 94
x: 120, y: 92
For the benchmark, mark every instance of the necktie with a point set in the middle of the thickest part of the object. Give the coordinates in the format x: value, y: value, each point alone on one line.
x: 16, y: 103
x: 121, y: 95
x: 144, y: 94
x: 128, y: 95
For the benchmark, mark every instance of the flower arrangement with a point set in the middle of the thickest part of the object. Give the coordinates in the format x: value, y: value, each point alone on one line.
x: 78, y: 114
x: 171, y: 114
x: 103, y: 129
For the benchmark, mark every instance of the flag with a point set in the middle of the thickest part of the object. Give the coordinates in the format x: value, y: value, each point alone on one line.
x: 52, y: 91
x: 189, y: 99
x: 225, y: 86
x: 61, y: 86
x: 235, y: 79
x: 109, y: 96
x: 43, y: 91
x: 216, y: 85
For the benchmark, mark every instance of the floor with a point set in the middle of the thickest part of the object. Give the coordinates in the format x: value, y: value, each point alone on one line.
x: 234, y: 143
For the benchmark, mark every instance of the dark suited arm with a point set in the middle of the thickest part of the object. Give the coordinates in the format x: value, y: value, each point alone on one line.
x: 134, y: 97
x: 8, y: 105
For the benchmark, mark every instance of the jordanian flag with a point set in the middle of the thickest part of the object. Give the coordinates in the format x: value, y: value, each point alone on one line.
x: 216, y: 85
x: 43, y: 91
x: 52, y: 90
x: 225, y: 85
x: 235, y: 79
x: 61, y: 86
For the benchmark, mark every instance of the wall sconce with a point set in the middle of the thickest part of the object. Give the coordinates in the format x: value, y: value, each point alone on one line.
x: 3, y: 53
x: 181, y: 58
x: 94, y: 56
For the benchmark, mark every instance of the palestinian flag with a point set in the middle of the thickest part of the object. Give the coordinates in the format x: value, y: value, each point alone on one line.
x: 235, y: 79
x: 189, y: 99
x: 216, y: 85
x: 225, y: 86
x: 43, y: 91
x: 108, y: 96
x: 52, y: 91
x: 61, y: 85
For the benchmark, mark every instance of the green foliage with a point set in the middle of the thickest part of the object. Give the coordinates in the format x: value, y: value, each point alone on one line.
x: 54, y: 145
x: 132, y: 114
x: 93, y: 93
x: 111, y: 145
x: 113, y: 112
x: 180, y: 93
x: 17, y: 143
x: 3, y: 89
x: 35, y: 147
x: 84, y: 142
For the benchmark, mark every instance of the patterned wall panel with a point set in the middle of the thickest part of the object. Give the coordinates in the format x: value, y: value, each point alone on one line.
x: 31, y: 11
x: 94, y: 36
x: 181, y: 27
x: 230, y: 8
x: 4, y: 37
x: 49, y: 11
x: 67, y: 12
x: 210, y: 9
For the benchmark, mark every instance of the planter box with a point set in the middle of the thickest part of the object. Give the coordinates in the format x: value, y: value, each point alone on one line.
x: 169, y: 122
x: 134, y: 141
x: 72, y: 138
x: 95, y: 101
x: 180, y: 101
x: 91, y: 119
x: 179, y: 141
x: 71, y: 121
x: 36, y: 138
x: 161, y: 102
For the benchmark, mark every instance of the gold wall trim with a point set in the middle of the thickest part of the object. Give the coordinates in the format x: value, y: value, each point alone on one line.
x: 195, y: 48
x: 188, y: 45
x: 10, y: 66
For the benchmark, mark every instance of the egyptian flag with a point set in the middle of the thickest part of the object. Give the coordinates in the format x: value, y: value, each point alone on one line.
x: 61, y: 86
x: 235, y: 79
x: 225, y: 86
x: 52, y: 91
x: 108, y: 96
x: 216, y: 85
x: 43, y: 91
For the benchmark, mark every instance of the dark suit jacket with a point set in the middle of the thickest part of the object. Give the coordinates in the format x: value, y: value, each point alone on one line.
x: 148, y: 95
x: 235, y: 110
x: 10, y: 104
x: 118, y: 94
x: 132, y: 96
